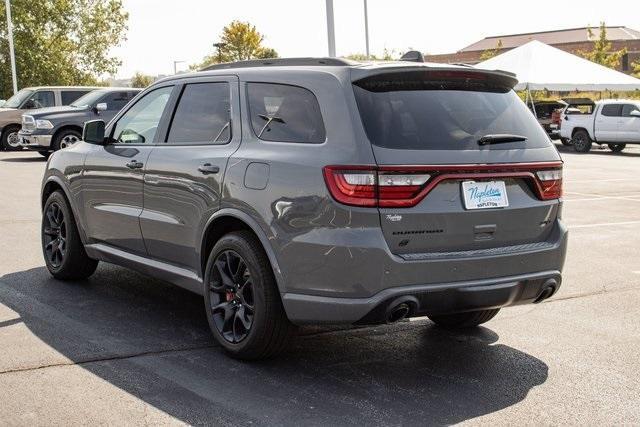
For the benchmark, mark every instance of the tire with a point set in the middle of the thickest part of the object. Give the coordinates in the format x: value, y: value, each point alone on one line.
x: 566, y: 142
x: 581, y: 141
x: 9, y: 140
x: 243, y: 307
x: 45, y: 154
x: 68, y: 261
x: 464, y: 320
x: 65, y: 138
x: 616, y: 148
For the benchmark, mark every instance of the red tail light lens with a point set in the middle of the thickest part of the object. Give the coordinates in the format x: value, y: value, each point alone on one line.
x: 406, y: 186
x: 550, y: 184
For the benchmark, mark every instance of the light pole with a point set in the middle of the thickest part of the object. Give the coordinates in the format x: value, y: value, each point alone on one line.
x: 219, y: 47
x: 331, y: 32
x: 175, y: 68
x: 366, y: 28
x: 11, y: 52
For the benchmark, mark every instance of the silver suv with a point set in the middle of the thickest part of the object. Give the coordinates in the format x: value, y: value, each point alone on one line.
x: 301, y: 191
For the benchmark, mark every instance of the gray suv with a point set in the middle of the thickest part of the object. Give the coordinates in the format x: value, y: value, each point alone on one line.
x: 299, y: 191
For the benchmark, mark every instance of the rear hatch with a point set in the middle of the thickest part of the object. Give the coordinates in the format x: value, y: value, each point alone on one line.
x: 462, y: 165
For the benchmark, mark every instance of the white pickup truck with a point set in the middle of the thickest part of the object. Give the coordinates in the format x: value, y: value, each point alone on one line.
x: 612, y: 122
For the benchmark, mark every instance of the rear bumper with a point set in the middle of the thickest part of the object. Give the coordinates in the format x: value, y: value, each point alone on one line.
x: 441, y: 298
x: 35, y: 142
x: 454, y: 282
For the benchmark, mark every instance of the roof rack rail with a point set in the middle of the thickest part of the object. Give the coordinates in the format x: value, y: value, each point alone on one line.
x: 280, y: 62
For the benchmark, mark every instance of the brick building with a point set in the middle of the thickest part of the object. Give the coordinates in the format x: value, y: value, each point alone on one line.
x: 569, y: 40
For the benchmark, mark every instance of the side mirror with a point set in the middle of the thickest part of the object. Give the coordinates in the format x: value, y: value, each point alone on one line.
x: 101, y: 106
x: 635, y: 113
x: 93, y: 132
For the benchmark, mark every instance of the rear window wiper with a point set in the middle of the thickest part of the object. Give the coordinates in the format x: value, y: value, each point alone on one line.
x: 500, y: 138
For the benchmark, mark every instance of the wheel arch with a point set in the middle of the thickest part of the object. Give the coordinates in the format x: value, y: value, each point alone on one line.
x: 52, y: 184
x: 65, y: 127
x: 576, y: 129
x: 228, y: 220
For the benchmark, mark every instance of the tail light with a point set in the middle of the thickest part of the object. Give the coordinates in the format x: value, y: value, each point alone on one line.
x: 550, y: 183
x: 406, y: 186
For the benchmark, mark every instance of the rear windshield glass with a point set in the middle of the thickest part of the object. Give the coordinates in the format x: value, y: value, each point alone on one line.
x: 418, y: 111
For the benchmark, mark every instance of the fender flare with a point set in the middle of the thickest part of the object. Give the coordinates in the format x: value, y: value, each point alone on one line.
x: 259, y: 232
x: 62, y: 184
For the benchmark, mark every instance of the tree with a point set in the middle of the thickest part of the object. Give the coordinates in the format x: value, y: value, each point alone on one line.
x: 490, y: 53
x: 636, y: 68
x: 387, y: 55
x: 61, y: 42
x: 601, y: 52
x: 239, y: 41
x: 141, y: 80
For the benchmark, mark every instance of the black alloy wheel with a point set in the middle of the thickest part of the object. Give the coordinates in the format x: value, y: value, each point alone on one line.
x: 55, y: 235
x: 231, y: 295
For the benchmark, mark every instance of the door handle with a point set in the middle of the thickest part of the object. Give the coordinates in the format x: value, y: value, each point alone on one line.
x: 133, y: 164
x: 208, y: 168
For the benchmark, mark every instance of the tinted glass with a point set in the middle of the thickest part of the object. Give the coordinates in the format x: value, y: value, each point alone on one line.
x: 628, y: 108
x: 203, y: 114
x: 140, y: 123
x: 16, y: 100
x: 43, y: 99
x: 116, y: 100
x: 405, y: 112
x: 285, y: 113
x: 68, y: 96
x: 611, y: 110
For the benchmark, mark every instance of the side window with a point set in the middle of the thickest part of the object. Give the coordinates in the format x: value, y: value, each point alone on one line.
x: 41, y: 99
x: 117, y: 100
x: 611, y: 110
x: 68, y: 96
x: 285, y: 113
x: 140, y: 123
x: 628, y: 108
x: 203, y: 114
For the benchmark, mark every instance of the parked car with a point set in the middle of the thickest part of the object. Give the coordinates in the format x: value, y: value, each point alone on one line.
x: 50, y: 129
x: 297, y: 191
x: 612, y: 122
x: 544, y: 112
x: 28, y: 99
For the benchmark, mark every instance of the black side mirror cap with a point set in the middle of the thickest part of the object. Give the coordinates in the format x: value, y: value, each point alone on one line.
x: 93, y: 132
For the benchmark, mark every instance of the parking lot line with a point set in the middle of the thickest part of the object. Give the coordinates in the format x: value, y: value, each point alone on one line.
x: 603, y: 224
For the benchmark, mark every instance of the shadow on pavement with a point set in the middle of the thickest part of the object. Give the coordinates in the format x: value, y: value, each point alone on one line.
x: 37, y: 158
x: 151, y: 340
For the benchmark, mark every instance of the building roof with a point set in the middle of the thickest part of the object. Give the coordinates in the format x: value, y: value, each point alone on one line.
x: 571, y: 35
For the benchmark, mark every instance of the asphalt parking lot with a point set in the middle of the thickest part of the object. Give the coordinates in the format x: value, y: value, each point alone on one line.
x: 124, y: 349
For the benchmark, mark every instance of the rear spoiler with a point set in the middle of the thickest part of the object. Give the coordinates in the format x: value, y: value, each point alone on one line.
x: 501, y: 78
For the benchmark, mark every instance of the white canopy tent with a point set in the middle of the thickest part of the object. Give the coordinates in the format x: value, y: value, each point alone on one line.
x: 539, y: 66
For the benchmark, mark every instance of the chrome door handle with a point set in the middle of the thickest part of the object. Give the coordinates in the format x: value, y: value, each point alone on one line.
x: 208, y: 168
x: 133, y: 164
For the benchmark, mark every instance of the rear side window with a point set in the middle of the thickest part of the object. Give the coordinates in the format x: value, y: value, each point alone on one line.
x: 444, y: 111
x: 68, y: 96
x: 628, y: 108
x: 612, y: 110
x: 203, y: 114
x: 285, y: 113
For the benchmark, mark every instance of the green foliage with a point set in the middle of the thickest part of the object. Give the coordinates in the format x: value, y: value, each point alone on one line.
x: 601, y: 52
x: 61, y: 42
x: 141, y: 80
x: 490, y: 53
x: 240, y: 41
x: 387, y: 55
x: 636, y: 68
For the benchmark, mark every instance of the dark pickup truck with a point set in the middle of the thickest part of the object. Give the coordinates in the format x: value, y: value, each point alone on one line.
x: 50, y: 129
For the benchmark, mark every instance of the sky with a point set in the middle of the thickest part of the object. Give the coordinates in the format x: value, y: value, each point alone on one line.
x: 163, y: 31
